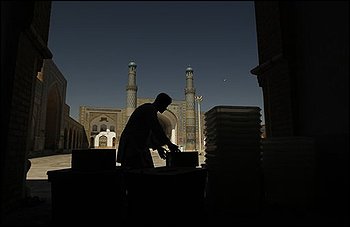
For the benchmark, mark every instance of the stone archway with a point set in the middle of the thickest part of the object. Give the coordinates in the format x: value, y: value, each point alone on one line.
x: 53, y: 119
x: 168, y: 121
x: 65, y: 143
x: 102, y: 141
x: 92, y: 142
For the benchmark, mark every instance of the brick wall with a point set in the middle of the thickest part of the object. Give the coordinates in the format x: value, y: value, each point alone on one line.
x: 25, y: 34
x: 303, y: 70
x: 273, y: 71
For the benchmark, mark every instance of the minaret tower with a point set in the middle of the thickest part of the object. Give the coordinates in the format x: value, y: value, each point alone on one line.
x: 131, y: 90
x: 190, y: 111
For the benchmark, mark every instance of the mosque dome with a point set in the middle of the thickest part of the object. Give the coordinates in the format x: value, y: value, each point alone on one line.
x: 132, y: 63
x: 189, y: 68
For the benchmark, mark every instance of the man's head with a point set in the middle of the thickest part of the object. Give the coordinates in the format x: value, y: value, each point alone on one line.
x: 162, y: 102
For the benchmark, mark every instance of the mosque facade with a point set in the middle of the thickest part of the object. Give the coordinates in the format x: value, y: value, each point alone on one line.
x: 103, y: 126
x: 52, y: 130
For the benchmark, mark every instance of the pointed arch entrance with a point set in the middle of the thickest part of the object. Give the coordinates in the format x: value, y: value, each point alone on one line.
x: 53, y: 119
x: 168, y: 121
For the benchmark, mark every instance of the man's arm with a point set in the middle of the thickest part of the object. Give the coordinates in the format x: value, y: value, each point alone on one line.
x: 160, y: 136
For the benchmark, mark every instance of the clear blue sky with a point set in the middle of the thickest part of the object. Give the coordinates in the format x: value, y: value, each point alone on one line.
x: 93, y: 42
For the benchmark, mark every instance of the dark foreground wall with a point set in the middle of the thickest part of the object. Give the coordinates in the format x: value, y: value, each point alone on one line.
x: 304, y: 73
x: 24, y: 36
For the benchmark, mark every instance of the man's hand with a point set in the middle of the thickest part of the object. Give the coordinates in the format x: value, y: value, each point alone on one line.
x: 161, y: 152
x: 173, y: 148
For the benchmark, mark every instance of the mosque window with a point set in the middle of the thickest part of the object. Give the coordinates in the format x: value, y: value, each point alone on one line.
x: 104, y: 119
x: 111, y: 128
x: 94, y: 128
x: 103, y: 128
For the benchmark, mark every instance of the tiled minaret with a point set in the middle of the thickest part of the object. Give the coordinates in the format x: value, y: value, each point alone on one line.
x: 131, y: 90
x: 190, y: 91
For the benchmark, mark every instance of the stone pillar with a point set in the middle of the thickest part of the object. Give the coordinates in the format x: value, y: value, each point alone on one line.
x: 173, y: 136
x: 190, y: 143
x: 131, y: 90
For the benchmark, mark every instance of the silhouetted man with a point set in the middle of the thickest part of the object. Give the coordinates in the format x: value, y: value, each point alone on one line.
x: 142, y: 132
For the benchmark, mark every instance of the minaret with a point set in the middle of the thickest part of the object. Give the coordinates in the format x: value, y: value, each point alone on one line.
x: 131, y: 90
x: 190, y: 111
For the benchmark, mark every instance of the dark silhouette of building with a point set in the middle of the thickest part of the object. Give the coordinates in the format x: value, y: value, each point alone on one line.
x: 24, y: 36
x: 35, y: 119
x: 303, y: 49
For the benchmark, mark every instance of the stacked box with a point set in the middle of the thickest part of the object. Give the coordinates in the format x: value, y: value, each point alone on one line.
x: 182, y: 159
x: 93, y: 159
x: 233, y: 158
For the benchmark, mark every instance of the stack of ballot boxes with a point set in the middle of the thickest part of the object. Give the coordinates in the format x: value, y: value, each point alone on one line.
x: 233, y: 159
